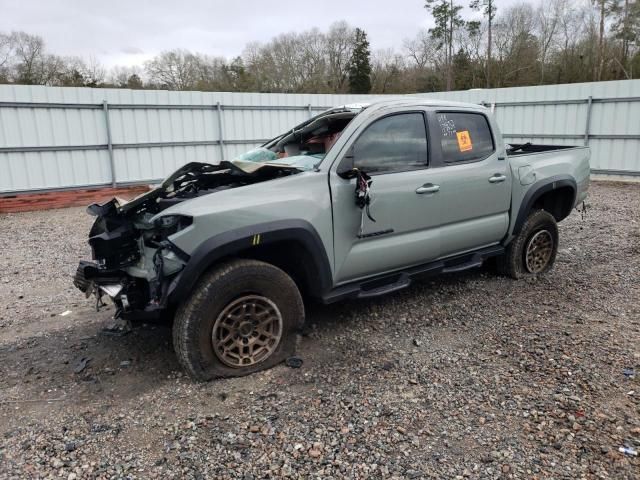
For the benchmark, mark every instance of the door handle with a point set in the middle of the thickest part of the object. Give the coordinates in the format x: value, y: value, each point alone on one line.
x: 497, y: 178
x: 428, y: 188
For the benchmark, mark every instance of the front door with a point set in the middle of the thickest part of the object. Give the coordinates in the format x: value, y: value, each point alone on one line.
x: 393, y: 150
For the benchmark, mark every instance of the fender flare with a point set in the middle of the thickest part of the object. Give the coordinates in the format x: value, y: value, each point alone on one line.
x: 234, y: 241
x: 537, y: 190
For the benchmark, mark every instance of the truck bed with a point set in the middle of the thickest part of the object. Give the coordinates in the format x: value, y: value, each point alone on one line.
x: 532, y: 165
x: 527, y: 148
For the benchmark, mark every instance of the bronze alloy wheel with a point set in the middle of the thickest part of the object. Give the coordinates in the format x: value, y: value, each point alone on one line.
x: 539, y: 251
x: 247, y: 331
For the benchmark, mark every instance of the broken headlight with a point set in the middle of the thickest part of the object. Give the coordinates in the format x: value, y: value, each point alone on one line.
x: 170, y: 224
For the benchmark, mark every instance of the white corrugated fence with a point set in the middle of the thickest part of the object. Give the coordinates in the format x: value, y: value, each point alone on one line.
x: 58, y: 138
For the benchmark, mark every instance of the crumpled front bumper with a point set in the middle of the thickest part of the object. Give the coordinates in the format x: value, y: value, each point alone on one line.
x: 130, y: 295
x: 88, y: 276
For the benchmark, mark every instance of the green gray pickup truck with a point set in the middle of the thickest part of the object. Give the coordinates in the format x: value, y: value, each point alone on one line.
x: 355, y: 202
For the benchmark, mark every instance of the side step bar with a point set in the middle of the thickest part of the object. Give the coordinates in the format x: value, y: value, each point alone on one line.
x: 392, y: 282
x: 475, y: 261
x: 403, y: 282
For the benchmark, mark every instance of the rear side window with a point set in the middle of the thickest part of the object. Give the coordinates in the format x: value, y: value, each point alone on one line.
x: 464, y: 137
x: 394, y: 143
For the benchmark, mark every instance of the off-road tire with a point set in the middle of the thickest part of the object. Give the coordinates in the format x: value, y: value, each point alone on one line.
x: 513, y: 262
x: 216, y: 291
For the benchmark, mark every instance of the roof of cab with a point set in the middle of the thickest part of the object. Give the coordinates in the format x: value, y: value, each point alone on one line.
x: 402, y: 101
x: 421, y: 101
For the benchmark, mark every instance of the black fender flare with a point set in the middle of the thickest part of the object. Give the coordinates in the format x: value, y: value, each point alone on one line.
x: 537, y: 190
x: 234, y: 241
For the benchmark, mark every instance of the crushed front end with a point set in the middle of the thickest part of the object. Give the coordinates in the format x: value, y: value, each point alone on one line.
x: 134, y: 261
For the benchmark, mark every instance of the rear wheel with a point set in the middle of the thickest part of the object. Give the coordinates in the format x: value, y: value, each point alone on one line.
x: 533, y: 250
x: 242, y: 317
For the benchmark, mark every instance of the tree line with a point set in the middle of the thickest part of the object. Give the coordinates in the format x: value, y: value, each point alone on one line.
x: 552, y: 41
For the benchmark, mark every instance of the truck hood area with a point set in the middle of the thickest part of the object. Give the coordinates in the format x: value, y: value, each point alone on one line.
x: 194, y: 180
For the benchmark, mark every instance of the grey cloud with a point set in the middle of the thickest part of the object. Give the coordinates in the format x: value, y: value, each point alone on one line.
x: 216, y: 27
x: 132, y: 51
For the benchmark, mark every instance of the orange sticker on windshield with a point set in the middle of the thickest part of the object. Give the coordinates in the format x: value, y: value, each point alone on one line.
x: 464, y: 141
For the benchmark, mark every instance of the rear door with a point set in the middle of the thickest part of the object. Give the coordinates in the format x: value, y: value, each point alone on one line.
x: 474, y: 179
x: 393, y: 150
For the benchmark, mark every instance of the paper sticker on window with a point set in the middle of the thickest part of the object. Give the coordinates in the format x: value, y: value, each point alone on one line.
x: 464, y: 141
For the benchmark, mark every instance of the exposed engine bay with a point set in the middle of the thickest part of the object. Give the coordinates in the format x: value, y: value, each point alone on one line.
x: 134, y: 259
x: 135, y: 262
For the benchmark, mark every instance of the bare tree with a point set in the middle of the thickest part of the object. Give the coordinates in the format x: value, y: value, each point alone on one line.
x: 339, y: 48
x: 386, y: 72
x: 516, y: 46
x: 548, y: 18
x: 6, y: 52
x: 571, y: 33
x: 29, y: 53
x: 421, y: 49
x: 125, y: 77
x: 560, y: 40
x: 471, y: 51
x: 6, y: 48
x: 174, y: 69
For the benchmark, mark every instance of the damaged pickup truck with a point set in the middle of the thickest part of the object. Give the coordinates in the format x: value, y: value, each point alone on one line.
x: 355, y: 202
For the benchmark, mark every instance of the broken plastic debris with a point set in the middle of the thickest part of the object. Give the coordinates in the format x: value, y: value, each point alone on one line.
x: 65, y: 313
x: 82, y: 364
x: 629, y: 372
x: 119, y: 329
x: 111, y: 290
x: 294, y: 362
x: 628, y: 451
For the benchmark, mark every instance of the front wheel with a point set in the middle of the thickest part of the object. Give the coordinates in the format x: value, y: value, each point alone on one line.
x: 533, y: 250
x: 242, y: 317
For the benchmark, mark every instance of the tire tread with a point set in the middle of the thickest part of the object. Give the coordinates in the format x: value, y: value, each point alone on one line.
x: 187, y: 324
x: 510, y: 264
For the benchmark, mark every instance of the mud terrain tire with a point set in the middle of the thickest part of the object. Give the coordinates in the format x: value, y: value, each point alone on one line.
x: 243, y: 316
x: 533, y: 250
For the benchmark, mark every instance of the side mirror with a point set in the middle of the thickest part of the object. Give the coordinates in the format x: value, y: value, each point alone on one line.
x: 345, y: 169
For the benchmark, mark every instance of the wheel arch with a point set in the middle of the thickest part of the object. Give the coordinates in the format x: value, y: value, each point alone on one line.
x: 292, y: 245
x: 556, y: 195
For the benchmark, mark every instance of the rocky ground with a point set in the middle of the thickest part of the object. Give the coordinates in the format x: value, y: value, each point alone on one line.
x: 461, y: 376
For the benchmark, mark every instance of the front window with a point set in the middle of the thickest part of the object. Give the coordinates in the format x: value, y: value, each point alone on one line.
x: 394, y: 143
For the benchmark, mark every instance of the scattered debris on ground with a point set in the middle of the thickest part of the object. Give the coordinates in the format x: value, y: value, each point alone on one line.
x: 460, y: 376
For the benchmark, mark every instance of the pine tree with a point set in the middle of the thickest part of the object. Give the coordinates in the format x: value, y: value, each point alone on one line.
x: 360, y: 65
x: 446, y: 14
x: 488, y: 9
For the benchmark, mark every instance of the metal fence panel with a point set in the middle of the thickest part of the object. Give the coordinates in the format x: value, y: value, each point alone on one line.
x: 52, y: 138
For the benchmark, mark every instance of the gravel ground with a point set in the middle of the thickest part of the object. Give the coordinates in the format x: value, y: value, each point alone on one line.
x: 468, y: 375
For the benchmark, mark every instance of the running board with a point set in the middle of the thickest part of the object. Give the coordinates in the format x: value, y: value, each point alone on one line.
x: 475, y: 261
x: 392, y: 282
x: 403, y: 282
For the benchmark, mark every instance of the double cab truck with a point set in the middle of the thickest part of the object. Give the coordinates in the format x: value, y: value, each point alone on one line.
x: 355, y: 202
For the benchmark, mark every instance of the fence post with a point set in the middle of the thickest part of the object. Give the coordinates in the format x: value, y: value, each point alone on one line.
x: 587, y: 127
x: 310, y: 111
x: 220, y: 132
x: 112, y: 165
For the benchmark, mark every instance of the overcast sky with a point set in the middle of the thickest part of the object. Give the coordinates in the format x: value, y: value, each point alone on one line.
x: 128, y: 32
